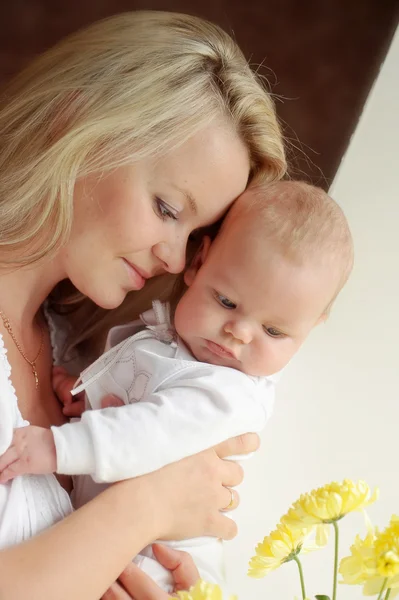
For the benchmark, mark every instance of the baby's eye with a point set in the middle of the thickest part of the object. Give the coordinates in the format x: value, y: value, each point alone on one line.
x: 273, y: 332
x: 224, y: 301
x: 164, y: 211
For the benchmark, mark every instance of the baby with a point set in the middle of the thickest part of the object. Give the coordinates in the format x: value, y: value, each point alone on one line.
x: 206, y: 373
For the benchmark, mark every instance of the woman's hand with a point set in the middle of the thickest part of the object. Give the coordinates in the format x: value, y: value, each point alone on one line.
x: 187, y: 498
x: 134, y: 583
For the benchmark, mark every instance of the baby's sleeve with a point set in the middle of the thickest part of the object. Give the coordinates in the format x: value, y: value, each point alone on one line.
x: 193, y: 410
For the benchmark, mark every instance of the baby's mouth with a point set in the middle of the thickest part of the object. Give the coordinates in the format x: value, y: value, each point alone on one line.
x: 219, y: 350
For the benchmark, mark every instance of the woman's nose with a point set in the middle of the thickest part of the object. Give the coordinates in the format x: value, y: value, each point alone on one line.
x: 172, y: 255
x: 240, y: 330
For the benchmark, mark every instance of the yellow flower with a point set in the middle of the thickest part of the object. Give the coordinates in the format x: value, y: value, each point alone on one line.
x: 361, y: 565
x: 388, y: 564
x: 374, y: 560
x: 327, y: 504
x: 203, y: 591
x: 387, y: 549
x: 280, y: 546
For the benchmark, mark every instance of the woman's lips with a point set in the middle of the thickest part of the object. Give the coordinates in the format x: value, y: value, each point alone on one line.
x: 136, y: 277
x: 219, y: 350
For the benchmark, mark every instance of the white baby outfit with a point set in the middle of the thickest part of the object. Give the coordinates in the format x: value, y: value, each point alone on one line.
x: 176, y: 406
x: 29, y: 503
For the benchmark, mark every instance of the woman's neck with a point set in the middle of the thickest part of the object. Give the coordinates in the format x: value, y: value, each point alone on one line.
x: 23, y: 290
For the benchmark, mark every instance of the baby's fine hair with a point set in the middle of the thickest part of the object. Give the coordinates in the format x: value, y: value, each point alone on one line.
x: 301, y: 222
x: 128, y: 87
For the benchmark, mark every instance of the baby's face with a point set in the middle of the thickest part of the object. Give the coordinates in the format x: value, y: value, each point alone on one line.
x: 248, y: 307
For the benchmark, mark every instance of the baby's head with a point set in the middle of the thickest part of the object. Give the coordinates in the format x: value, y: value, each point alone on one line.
x: 280, y: 259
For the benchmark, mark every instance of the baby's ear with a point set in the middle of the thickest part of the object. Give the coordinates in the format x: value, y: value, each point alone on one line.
x: 198, y: 261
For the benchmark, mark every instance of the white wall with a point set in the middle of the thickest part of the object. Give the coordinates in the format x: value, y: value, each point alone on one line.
x: 337, y: 413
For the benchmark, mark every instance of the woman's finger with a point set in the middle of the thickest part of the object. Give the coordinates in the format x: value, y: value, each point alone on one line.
x: 232, y: 499
x: 180, y: 564
x: 116, y: 592
x: 232, y: 473
x: 242, y: 444
x: 226, y: 527
x: 139, y: 585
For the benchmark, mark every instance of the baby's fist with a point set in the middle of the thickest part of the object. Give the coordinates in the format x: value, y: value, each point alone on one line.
x: 32, y: 451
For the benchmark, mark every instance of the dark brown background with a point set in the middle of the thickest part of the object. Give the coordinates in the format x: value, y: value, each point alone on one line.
x: 320, y: 56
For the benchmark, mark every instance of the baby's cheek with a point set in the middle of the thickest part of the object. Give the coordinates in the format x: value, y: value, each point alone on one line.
x: 283, y: 351
x: 265, y: 358
x: 208, y: 323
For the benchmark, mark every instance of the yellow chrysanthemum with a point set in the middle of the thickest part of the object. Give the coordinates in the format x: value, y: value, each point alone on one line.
x: 327, y: 504
x: 387, y: 549
x: 361, y: 565
x: 374, y: 560
x: 203, y: 591
x: 280, y: 546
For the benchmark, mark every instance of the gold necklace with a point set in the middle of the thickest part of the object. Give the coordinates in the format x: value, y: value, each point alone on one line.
x: 32, y: 363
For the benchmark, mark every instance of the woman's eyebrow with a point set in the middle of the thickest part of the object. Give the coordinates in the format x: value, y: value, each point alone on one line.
x: 190, y: 199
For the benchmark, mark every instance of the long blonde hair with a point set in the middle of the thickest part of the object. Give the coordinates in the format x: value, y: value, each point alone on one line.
x: 128, y: 87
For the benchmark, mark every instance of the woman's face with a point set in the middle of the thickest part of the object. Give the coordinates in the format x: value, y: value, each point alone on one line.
x: 134, y: 222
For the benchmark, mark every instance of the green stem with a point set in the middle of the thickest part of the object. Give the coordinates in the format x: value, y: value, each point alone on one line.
x: 298, y: 562
x: 336, y: 531
x: 387, y: 594
x: 382, y: 590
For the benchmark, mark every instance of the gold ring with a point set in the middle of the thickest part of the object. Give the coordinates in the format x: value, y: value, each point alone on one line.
x: 231, y: 503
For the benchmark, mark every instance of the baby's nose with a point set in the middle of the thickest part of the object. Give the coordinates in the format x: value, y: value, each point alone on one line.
x: 240, y: 330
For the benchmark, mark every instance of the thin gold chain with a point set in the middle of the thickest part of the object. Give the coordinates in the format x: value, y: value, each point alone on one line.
x: 32, y: 363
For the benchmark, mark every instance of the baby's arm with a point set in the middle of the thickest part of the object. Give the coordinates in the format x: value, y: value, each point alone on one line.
x: 187, y: 416
x: 32, y: 450
x: 193, y: 411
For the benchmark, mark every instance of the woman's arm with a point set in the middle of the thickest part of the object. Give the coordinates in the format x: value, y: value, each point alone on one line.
x: 82, y: 555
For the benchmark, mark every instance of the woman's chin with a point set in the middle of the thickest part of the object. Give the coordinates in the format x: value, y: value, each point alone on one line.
x: 108, y: 301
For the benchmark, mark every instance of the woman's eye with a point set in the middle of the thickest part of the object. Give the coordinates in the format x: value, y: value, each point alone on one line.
x: 164, y: 211
x: 273, y: 332
x: 224, y: 301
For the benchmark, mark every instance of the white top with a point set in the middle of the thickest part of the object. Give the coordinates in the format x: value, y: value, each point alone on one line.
x: 29, y: 503
x: 175, y: 406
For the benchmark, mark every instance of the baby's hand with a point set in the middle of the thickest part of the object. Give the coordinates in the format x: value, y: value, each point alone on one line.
x: 73, y: 406
x: 32, y: 451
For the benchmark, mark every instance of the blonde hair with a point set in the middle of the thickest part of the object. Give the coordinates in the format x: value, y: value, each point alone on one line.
x: 128, y: 87
x: 301, y: 222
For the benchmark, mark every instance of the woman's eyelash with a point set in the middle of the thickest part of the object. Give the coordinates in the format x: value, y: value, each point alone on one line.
x: 224, y: 301
x: 164, y: 211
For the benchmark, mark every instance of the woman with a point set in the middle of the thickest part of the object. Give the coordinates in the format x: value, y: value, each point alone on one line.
x: 115, y: 145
